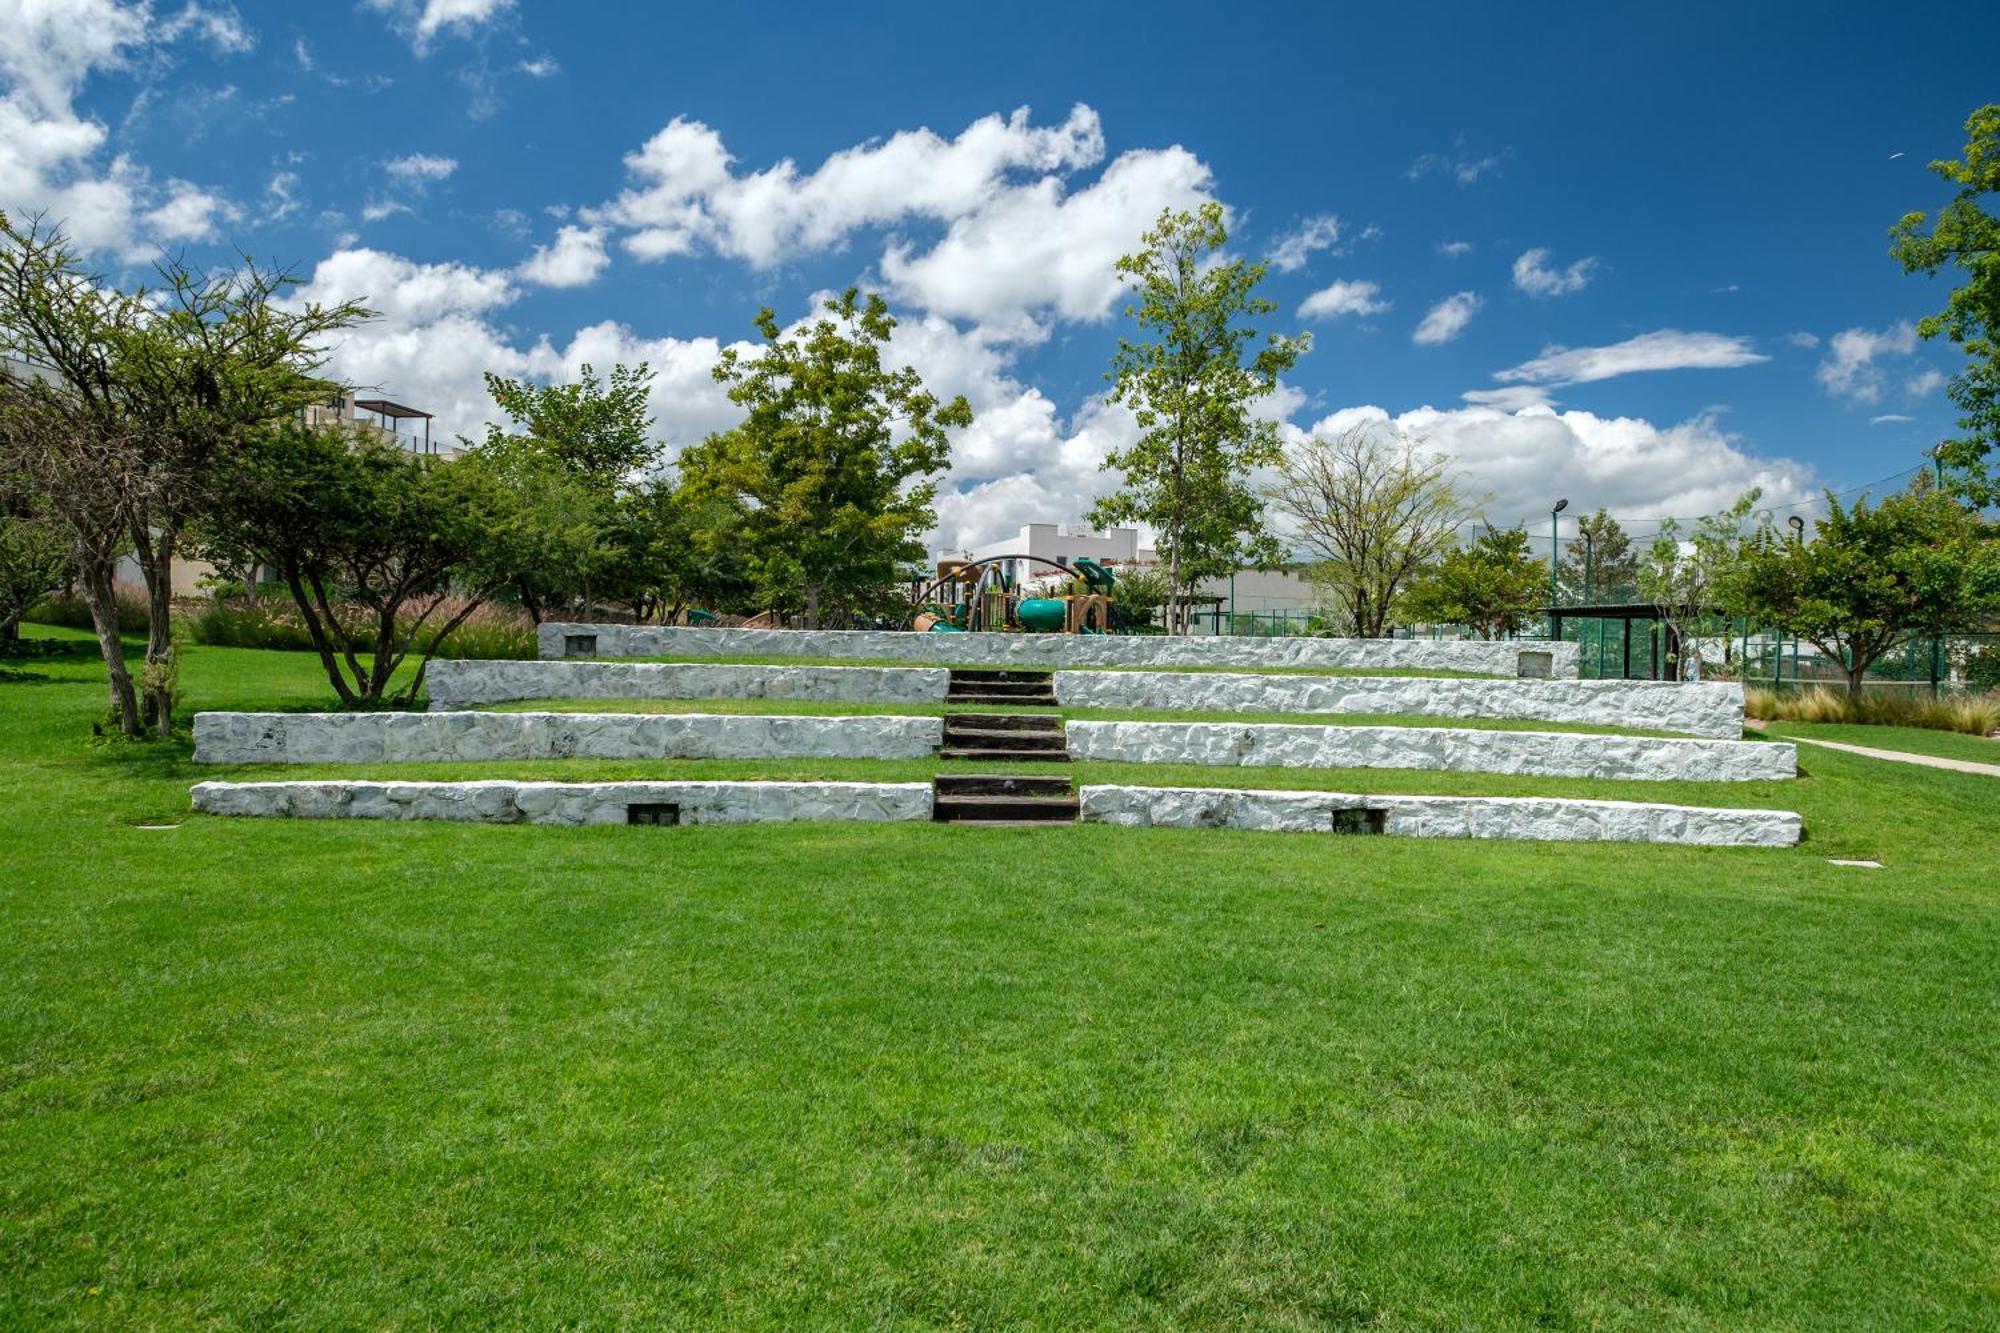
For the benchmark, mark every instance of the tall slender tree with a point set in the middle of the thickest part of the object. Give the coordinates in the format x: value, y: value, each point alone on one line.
x: 1600, y: 562
x: 1193, y: 379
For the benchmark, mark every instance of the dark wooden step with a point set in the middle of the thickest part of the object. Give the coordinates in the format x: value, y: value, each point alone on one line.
x: 1004, y: 738
x: 1004, y: 809
x: 1003, y: 721
x: 984, y: 676
x: 1002, y: 784
x: 1025, y: 700
x: 988, y: 755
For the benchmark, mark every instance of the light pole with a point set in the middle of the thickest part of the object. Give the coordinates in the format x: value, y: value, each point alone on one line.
x: 1554, y: 555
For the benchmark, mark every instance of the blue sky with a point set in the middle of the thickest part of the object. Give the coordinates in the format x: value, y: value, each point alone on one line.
x: 1648, y: 240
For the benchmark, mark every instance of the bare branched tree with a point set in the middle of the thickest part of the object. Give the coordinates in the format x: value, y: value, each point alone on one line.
x: 1372, y: 507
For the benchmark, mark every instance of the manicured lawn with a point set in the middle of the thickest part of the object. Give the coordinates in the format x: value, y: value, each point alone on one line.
x: 1915, y: 740
x: 356, y: 1074
x: 840, y: 709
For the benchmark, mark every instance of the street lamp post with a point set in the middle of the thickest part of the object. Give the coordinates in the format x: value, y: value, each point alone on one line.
x: 1555, y: 554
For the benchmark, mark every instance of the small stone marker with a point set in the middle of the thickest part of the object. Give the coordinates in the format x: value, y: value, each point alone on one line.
x: 1865, y: 865
x: 1535, y: 666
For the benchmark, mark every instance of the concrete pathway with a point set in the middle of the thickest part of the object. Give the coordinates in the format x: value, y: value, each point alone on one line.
x: 1895, y: 756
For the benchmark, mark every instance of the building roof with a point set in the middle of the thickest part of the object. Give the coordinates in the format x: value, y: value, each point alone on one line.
x: 383, y: 407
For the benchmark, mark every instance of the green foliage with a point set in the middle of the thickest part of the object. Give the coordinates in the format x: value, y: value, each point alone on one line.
x: 34, y: 562
x: 1686, y: 574
x: 1918, y: 562
x: 1372, y: 509
x: 834, y: 469
x: 674, y: 551
x: 1193, y: 381
x: 349, y: 520
x: 128, y: 608
x: 1493, y: 585
x: 1965, y: 235
x: 591, y: 428
x: 1138, y: 595
x: 1600, y: 564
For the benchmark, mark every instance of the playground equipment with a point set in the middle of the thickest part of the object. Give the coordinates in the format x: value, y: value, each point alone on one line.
x: 971, y: 595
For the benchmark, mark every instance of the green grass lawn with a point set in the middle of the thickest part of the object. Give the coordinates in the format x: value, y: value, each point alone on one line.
x: 360, y: 1074
x: 1915, y: 740
x: 834, y: 708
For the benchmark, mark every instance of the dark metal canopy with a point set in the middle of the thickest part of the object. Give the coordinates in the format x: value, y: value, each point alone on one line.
x: 383, y: 407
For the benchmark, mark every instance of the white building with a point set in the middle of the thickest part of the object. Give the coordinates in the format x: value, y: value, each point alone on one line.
x: 1266, y: 592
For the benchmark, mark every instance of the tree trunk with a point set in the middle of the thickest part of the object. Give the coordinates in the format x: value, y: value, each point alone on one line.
x: 1176, y: 604
x: 1854, y: 675
x: 95, y: 579
x: 158, y: 569
x: 812, y: 606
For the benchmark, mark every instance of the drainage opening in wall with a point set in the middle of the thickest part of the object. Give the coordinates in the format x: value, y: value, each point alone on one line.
x: 640, y: 812
x: 1535, y: 666
x: 579, y: 645
x: 1361, y: 820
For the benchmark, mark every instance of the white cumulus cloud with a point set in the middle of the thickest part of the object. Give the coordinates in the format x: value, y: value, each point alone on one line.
x: 1296, y: 248
x: 420, y: 168
x: 1447, y: 319
x: 423, y: 20
x: 1851, y: 368
x: 1343, y: 298
x: 1533, y: 274
x: 574, y: 259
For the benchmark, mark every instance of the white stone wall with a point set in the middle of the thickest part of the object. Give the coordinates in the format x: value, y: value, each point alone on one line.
x: 464, y: 684
x: 1442, y: 749
x: 1714, y: 710
x: 1532, y: 818
x: 1505, y: 658
x: 360, y: 738
x: 502, y: 802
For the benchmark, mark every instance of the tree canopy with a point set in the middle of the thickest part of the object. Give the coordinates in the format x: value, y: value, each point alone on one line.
x: 1493, y: 585
x: 1193, y: 380
x: 833, y: 471
x: 1965, y: 235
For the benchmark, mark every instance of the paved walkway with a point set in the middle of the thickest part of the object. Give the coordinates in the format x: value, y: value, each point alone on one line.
x: 1895, y: 756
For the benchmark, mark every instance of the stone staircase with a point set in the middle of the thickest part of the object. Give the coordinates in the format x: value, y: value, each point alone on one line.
x: 979, y: 798
x: 1036, y: 688
x: 1019, y: 738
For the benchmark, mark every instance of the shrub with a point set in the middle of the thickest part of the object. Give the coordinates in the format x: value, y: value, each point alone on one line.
x: 238, y: 623
x: 74, y: 612
x: 490, y: 631
x: 1976, y: 714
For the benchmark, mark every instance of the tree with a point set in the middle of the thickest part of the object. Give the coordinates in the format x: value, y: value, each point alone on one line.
x: 34, y: 563
x: 385, y: 552
x: 673, y: 552
x: 1137, y: 596
x: 157, y: 387
x: 1493, y: 585
x: 834, y: 468
x: 1601, y: 564
x: 1966, y: 236
x: 1686, y: 578
x: 1193, y: 382
x: 1373, y: 510
x: 572, y: 454
x: 1918, y: 563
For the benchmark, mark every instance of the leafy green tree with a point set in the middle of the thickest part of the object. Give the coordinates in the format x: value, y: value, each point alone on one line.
x: 146, y: 395
x: 1600, y: 564
x: 1137, y: 596
x: 833, y: 471
x: 571, y: 453
x: 385, y: 552
x: 1686, y: 576
x: 34, y: 563
x: 1193, y: 381
x: 1493, y: 585
x: 1965, y: 235
x: 1373, y: 510
x: 1917, y: 563
x: 673, y: 552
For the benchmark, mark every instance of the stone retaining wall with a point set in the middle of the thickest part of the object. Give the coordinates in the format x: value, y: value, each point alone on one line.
x: 1714, y: 710
x: 455, y: 684
x: 359, y: 738
x: 501, y: 802
x: 1505, y: 658
x: 1532, y: 818
x: 1441, y: 749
